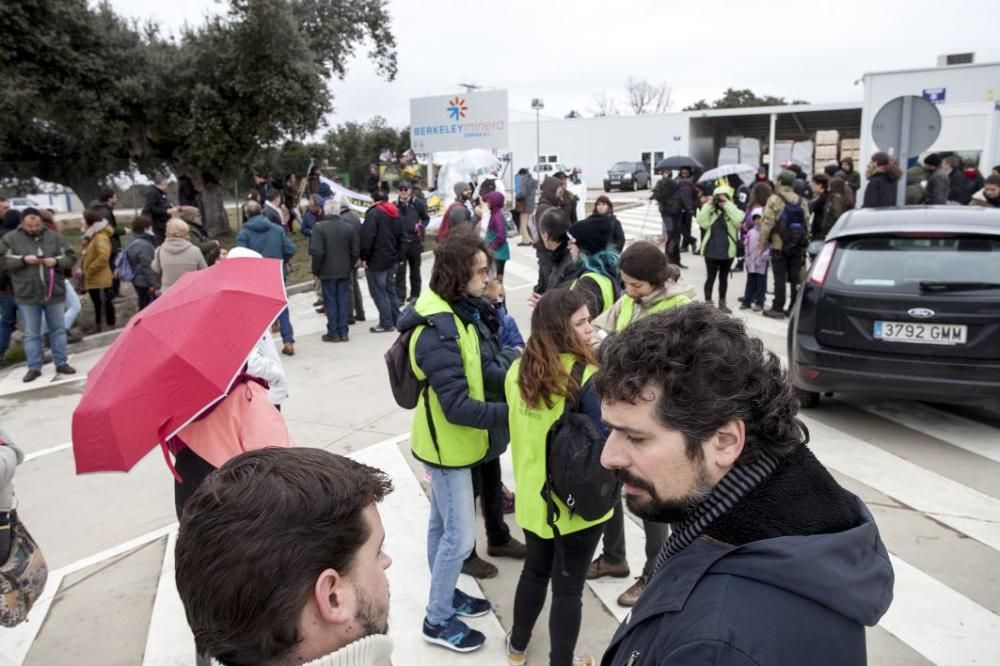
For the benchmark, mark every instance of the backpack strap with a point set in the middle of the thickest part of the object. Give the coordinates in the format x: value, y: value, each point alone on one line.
x: 551, y: 510
x: 425, y: 386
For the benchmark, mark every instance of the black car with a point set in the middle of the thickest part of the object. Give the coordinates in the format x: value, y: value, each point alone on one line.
x: 903, y: 303
x: 626, y: 176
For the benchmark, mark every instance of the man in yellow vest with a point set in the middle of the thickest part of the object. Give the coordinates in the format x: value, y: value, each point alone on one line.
x: 450, y: 426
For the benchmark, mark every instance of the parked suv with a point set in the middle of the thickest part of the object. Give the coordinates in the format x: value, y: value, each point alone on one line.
x: 902, y: 302
x: 627, y: 176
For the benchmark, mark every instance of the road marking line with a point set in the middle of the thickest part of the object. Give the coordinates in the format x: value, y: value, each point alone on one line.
x: 941, y: 624
x: 44, y: 452
x: 15, y: 643
x: 169, y: 641
x: 950, y: 502
x: 959, y: 431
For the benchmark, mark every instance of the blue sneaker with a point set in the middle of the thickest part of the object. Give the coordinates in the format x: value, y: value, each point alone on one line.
x: 454, y: 635
x: 467, y: 606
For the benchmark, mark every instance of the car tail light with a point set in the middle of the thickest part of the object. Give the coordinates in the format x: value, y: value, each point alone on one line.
x: 822, y: 264
x: 808, y: 373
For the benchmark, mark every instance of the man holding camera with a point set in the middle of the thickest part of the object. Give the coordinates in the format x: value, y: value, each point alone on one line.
x: 720, y: 220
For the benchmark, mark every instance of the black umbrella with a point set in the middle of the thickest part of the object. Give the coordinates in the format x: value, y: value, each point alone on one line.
x: 679, y: 162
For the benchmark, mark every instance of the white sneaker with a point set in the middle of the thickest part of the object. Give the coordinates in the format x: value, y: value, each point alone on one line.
x: 515, y: 658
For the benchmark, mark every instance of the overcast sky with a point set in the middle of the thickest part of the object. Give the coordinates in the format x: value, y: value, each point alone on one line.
x: 565, y: 51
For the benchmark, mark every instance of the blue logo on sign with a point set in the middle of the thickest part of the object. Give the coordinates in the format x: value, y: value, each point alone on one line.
x: 935, y: 95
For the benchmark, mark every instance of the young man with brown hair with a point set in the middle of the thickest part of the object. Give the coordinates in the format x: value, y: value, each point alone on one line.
x: 280, y: 560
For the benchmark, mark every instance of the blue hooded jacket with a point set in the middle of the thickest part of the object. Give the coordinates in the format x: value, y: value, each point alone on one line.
x: 266, y: 237
x: 786, y: 600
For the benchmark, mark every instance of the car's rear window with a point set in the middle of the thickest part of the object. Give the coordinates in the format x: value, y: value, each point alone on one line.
x: 894, y: 263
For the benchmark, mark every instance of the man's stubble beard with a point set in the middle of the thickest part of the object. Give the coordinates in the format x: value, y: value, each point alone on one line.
x: 372, y: 618
x: 658, y: 510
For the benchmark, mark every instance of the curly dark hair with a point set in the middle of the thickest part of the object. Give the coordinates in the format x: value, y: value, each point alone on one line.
x: 711, y: 372
x: 453, y: 261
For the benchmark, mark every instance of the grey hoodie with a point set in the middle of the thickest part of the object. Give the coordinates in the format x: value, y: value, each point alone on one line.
x: 176, y: 257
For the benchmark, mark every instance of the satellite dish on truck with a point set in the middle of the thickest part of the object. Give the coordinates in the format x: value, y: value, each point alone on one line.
x: 906, y: 126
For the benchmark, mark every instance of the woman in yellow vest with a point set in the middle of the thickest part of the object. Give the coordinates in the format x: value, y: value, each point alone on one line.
x: 651, y: 285
x: 451, y: 424
x: 536, y: 389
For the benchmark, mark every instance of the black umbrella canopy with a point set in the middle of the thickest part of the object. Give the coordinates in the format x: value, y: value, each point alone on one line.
x: 679, y: 162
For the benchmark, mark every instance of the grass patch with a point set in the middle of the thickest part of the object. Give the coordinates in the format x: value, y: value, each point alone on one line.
x: 128, y: 304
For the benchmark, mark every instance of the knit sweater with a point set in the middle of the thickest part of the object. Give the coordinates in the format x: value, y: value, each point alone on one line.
x: 374, y: 650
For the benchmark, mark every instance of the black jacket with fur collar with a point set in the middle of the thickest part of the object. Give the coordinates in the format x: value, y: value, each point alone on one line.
x: 792, y: 575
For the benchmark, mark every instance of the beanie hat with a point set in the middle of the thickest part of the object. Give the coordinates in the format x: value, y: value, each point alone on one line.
x: 592, y: 235
x: 460, y: 188
x: 30, y: 211
x: 786, y: 178
x: 933, y: 160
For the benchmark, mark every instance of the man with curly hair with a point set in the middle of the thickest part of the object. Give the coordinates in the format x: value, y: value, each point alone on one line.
x: 770, y: 560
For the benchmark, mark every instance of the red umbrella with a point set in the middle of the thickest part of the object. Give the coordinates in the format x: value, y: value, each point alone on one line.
x: 173, y: 360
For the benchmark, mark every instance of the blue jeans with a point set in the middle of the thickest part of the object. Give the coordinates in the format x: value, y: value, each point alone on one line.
x: 72, y: 305
x: 451, y: 536
x: 31, y: 315
x: 336, y: 300
x: 8, y: 319
x: 285, y: 325
x: 382, y: 287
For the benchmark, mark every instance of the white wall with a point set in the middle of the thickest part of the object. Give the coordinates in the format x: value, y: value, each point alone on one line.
x: 594, y: 144
x: 967, y: 113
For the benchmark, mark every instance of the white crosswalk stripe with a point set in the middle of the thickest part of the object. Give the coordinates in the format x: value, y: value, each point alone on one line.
x: 956, y: 430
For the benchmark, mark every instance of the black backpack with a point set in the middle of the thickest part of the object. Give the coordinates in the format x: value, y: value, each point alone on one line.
x: 574, y: 473
x: 406, y: 388
x: 792, y: 225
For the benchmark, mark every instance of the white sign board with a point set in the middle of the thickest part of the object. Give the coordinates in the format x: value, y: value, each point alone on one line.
x: 460, y: 122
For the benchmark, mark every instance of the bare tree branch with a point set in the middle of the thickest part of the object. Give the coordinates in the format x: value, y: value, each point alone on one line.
x: 604, y: 105
x: 645, y: 97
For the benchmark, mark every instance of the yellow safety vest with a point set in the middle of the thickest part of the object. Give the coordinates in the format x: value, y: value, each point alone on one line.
x: 628, y: 307
x: 607, y: 289
x: 455, y: 445
x: 529, y: 428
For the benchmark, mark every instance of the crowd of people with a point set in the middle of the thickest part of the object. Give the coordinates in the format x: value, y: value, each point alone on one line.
x: 707, y: 452
x: 779, y: 226
x: 625, y: 393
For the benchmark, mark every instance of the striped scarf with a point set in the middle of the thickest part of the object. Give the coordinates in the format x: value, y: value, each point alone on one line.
x: 739, y: 482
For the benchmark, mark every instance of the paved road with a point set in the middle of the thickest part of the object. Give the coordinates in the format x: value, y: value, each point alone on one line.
x: 931, y: 475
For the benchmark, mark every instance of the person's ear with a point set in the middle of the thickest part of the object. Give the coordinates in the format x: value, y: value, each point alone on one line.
x: 724, y: 448
x: 334, y: 597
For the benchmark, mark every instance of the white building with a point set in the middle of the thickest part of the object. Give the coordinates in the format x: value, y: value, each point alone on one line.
x: 970, y: 126
x: 967, y: 99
